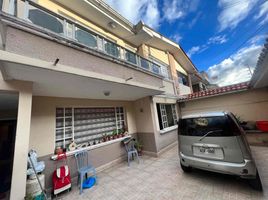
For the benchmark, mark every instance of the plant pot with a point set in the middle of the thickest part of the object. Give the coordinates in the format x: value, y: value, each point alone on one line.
x: 139, y: 152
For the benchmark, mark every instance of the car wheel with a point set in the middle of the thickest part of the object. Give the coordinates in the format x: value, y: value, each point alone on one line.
x: 256, y: 182
x: 186, y: 169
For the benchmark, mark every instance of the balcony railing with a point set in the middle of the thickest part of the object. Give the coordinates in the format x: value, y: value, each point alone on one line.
x: 84, y: 36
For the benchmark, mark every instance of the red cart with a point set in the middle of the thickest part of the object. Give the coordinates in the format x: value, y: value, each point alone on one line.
x: 61, y: 176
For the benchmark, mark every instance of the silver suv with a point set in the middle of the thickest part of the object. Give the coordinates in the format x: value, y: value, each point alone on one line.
x: 215, y: 141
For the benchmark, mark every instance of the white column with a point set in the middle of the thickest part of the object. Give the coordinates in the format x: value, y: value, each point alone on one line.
x: 18, y: 185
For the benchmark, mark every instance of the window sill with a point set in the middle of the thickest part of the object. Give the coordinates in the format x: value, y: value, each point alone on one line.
x: 70, y: 153
x: 167, y: 130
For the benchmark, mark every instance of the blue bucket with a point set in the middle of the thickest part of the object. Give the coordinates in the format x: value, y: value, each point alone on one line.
x: 89, y: 182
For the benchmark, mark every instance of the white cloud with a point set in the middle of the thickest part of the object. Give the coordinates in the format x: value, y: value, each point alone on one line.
x: 176, y: 9
x: 193, y: 50
x: 177, y: 38
x: 263, y: 13
x: 196, y: 50
x: 136, y: 10
x: 235, y: 68
x: 232, y: 12
x: 220, y: 39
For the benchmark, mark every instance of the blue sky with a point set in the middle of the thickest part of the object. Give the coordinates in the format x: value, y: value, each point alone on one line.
x: 222, y: 37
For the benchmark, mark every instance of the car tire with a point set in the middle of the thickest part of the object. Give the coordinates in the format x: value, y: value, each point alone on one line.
x: 256, y: 183
x: 186, y: 169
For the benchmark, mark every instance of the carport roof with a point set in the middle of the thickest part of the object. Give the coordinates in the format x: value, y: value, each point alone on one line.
x: 260, y: 76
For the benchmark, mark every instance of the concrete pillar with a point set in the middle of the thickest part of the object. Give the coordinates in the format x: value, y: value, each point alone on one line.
x: 143, y: 51
x: 18, y: 184
x: 190, y: 82
x: 173, y: 73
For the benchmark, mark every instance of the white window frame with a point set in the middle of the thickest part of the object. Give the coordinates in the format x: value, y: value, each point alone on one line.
x: 163, y: 115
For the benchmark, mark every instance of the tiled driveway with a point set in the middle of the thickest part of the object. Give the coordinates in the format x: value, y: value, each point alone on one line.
x: 162, y: 178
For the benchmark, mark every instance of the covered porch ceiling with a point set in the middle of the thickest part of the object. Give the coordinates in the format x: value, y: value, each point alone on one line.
x: 60, y: 84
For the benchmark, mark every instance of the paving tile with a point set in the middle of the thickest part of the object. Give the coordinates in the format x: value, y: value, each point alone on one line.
x: 162, y: 178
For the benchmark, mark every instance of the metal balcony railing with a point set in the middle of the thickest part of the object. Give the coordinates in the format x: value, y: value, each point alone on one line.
x: 78, y: 33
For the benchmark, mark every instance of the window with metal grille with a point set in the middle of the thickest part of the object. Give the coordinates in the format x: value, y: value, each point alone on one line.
x: 167, y: 115
x: 87, y: 125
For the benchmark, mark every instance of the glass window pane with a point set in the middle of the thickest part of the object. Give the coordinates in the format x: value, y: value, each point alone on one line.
x: 111, y: 49
x: 1, y: 4
x: 155, y: 68
x: 131, y: 57
x: 144, y: 63
x: 218, y: 126
x: 45, y: 20
x: 85, y: 38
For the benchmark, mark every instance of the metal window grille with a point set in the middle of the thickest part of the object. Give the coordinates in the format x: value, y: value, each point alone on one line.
x: 87, y: 125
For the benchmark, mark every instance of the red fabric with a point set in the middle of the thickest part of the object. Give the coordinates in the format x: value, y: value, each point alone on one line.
x: 63, y: 180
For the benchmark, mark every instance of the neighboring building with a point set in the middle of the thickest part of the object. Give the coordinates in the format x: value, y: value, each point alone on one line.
x: 75, y: 70
x: 201, y: 82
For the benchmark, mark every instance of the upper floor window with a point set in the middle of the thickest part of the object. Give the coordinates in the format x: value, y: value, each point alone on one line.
x: 131, y: 57
x: 182, y: 78
x: 45, y: 20
x: 111, y: 48
x: 85, y: 38
x: 167, y: 115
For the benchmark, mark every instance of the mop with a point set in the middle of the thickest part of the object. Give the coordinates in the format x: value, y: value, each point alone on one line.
x: 43, y: 191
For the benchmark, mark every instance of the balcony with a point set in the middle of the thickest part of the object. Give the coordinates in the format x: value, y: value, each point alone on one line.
x: 82, y: 36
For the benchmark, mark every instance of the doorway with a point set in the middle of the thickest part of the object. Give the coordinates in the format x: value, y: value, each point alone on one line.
x: 8, y: 123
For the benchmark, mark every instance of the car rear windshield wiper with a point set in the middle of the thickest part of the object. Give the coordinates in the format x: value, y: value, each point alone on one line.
x: 214, y: 131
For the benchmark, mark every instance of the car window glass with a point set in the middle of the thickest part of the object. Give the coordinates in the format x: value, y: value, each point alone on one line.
x: 203, y: 125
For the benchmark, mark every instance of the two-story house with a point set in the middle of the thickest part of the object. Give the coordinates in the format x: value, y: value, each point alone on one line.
x: 79, y: 71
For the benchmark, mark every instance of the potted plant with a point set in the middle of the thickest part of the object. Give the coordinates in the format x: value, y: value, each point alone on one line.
x: 114, y: 134
x: 138, y: 146
x: 104, y: 137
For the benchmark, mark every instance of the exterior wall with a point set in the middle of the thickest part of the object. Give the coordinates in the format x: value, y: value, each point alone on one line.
x: 160, y: 55
x: 18, y: 184
x: 42, y: 137
x: 180, y: 68
x: 183, y: 89
x: 145, y: 124
x: 47, y: 50
x: 250, y: 105
x: 169, y: 87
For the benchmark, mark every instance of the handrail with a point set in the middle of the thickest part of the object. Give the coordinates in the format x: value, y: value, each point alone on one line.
x: 70, y: 30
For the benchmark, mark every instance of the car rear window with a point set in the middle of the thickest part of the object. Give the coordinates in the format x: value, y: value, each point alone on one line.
x: 217, y: 126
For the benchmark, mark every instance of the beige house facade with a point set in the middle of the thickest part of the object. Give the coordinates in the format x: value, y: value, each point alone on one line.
x: 79, y: 71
